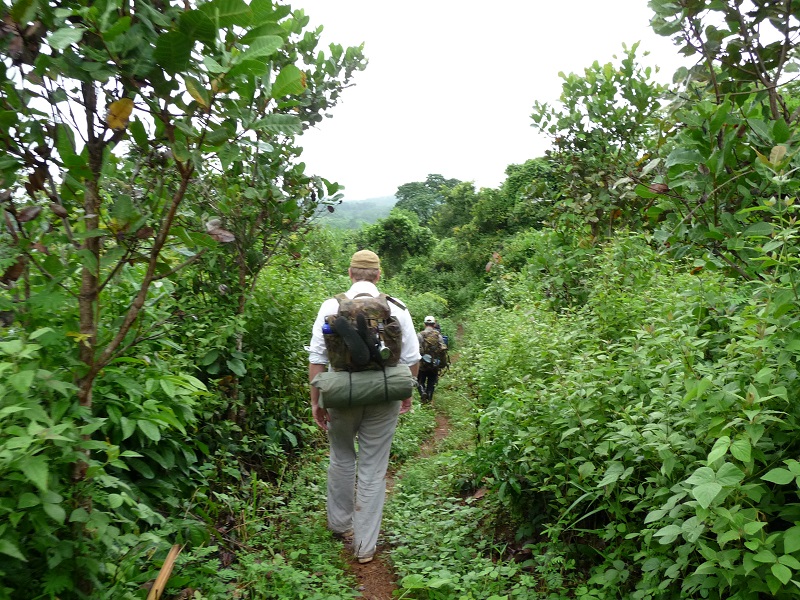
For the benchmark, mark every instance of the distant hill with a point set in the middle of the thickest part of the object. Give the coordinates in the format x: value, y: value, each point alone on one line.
x: 354, y: 214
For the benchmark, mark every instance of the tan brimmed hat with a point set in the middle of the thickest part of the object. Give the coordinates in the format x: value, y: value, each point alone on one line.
x: 365, y: 259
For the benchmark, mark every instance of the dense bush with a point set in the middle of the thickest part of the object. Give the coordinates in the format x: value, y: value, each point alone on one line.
x: 651, y: 429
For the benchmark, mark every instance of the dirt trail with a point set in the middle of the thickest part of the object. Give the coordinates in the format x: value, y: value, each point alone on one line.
x: 377, y: 579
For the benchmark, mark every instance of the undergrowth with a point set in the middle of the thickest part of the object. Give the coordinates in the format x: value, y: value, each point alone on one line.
x: 271, y: 539
x: 447, y: 541
x: 271, y: 543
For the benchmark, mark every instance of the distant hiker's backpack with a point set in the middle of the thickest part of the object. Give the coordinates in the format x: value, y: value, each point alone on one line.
x: 431, y: 345
x: 363, y: 335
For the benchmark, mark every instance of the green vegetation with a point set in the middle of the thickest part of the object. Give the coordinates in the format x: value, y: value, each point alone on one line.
x: 623, y: 313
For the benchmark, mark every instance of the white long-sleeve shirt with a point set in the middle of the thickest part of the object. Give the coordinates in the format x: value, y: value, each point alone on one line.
x: 318, y: 354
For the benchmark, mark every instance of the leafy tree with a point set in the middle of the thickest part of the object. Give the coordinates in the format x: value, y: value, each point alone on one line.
x: 530, y: 189
x: 731, y: 159
x: 395, y: 239
x: 424, y: 197
x: 455, y: 210
x: 607, y: 119
x: 137, y: 138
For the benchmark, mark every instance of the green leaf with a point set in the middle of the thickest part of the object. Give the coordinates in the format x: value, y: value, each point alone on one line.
x: 727, y: 536
x: 218, y: 136
x: 780, y: 476
x: 56, y: 512
x: 24, y: 11
x: 168, y: 387
x: 10, y: 410
x: 36, y: 470
x: 612, y: 474
x: 789, y: 561
x: 118, y: 28
x: 668, y: 534
x: 143, y: 468
x: 290, y: 80
x: 765, y: 556
x: 138, y: 132
x: 760, y: 229
x: 180, y: 151
x: 197, y: 25
x: 413, y: 582
x: 263, y: 47
x: 10, y: 549
x: 150, y: 429
x: 128, y: 427
x: 213, y: 66
x: 27, y: 500
x: 753, y: 527
x: 65, y: 37
x: 79, y: 515
x: 173, y: 51
x: 720, y: 449
x: 683, y: 156
x: 706, y: 492
x: 22, y: 381
x: 209, y: 357
x: 741, y: 449
x: 277, y: 123
x: 40, y: 332
x: 12, y: 347
x: 729, y: 475
x: 237, y: 366
x: 760, y: 128
x: 791, y: 539
x: 782, y: 573
x: 781, y: 131
x: 262, y: 30
x: 702, y: 475
x: 115, y: 500
x: 227, y: 13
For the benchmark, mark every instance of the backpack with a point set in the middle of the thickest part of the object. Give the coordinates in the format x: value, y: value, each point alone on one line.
x: 363, y: 335
x: 431, y: 344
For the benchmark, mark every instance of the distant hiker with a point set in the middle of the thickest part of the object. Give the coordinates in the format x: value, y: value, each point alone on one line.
x: 369, y: 342
x: 433, y: 348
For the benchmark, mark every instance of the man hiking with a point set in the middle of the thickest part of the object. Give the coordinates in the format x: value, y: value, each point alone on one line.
x: 433, y: 349
x: 389, y: 342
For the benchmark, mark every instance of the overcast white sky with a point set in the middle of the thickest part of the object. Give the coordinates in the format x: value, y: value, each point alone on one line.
x: 450, y: 84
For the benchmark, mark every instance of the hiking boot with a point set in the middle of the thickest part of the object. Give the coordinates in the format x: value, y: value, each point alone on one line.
x: 362, y: 560
x: 344, y: 536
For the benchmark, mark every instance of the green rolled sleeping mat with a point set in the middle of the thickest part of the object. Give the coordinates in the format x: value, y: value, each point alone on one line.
x: 342, y: 389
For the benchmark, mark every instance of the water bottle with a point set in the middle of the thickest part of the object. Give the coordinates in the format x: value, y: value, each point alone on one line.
x: 383, y: 349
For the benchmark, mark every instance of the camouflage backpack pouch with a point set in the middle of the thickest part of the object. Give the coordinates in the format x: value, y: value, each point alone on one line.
x: 365, y: 336
x: 433, y: 347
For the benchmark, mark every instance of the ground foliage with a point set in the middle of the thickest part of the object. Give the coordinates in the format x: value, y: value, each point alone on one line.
x: 648, y: 429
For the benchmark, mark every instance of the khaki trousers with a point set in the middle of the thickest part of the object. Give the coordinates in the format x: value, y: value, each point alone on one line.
x: 359, y: 506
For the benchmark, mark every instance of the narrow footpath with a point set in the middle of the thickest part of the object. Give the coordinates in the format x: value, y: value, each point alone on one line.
x: 377, y: 580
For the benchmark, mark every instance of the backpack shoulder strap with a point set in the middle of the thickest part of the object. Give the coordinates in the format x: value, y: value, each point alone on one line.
x: 396, y: 302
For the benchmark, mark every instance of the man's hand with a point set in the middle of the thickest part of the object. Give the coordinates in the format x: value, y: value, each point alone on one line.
x: 321, y: 417
x: 405, y: 406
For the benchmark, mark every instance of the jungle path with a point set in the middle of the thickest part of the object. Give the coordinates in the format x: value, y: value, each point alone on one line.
x: 377, y: 580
